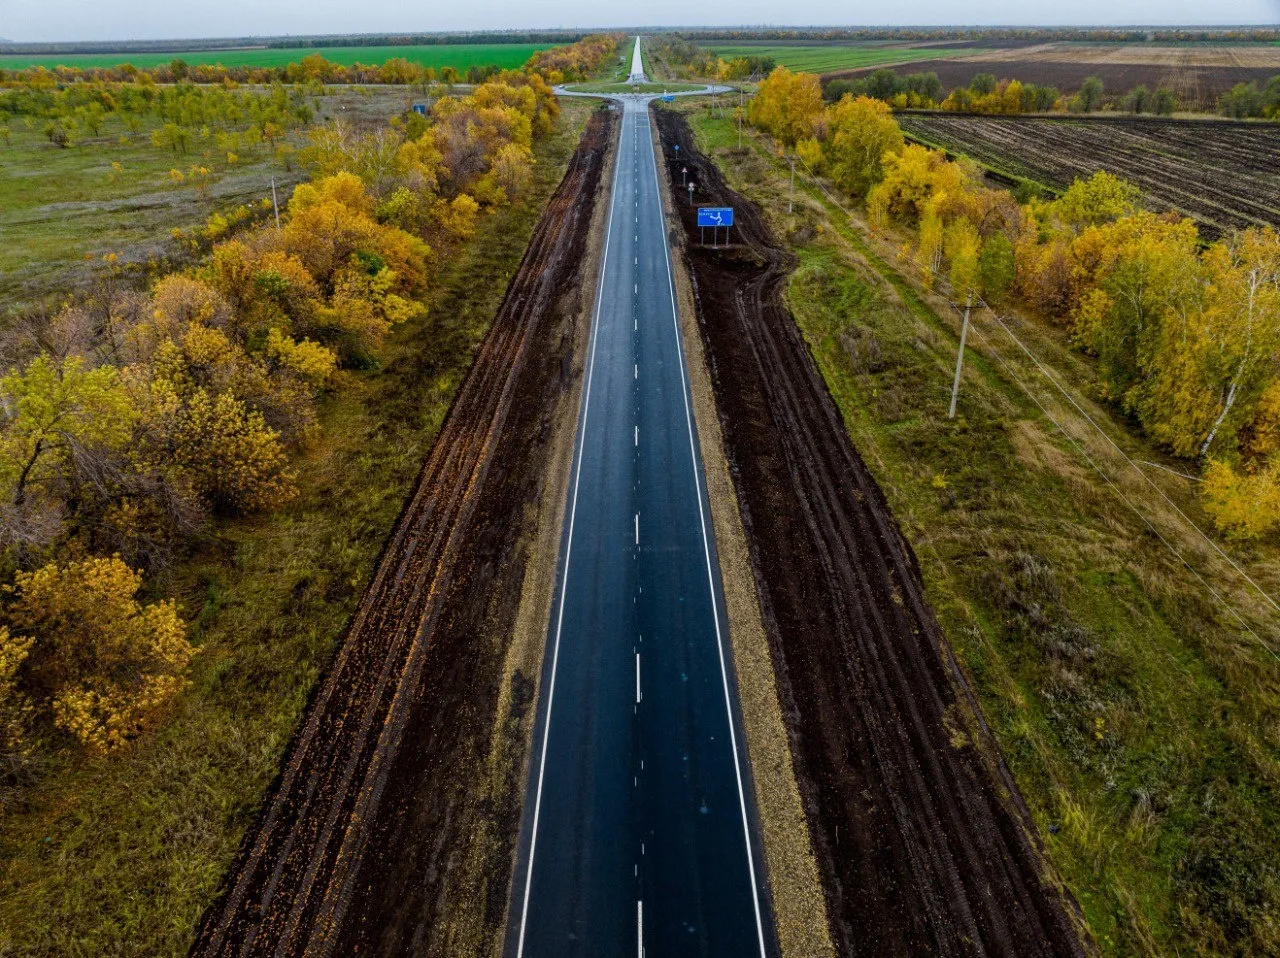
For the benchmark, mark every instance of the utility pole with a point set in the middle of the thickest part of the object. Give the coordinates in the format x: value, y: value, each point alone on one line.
x: 791, y: 202
x: 739, y: 117
x: 274, y: 202
x: 964, y: 332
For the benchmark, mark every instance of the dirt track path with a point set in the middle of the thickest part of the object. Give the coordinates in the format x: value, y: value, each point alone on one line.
x: 923, y: 849
x: 375, y: 802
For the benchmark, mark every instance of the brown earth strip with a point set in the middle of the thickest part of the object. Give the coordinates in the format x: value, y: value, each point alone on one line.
x: 376, y: 804
x: 922, y: 842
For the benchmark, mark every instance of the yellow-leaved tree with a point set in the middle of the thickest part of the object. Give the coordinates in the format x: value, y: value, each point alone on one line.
x: 861, y: 130
x: 55, y: 418
x: 787, y: 105
x: 1243, y: 503
x: 94, y: 660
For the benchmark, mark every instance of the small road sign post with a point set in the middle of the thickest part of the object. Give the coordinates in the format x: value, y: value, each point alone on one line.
x: 684, y: 176
x: 690, y: 189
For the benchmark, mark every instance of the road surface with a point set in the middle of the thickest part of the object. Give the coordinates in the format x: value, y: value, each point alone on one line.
x: 639, y: 830
x: 637, y: 65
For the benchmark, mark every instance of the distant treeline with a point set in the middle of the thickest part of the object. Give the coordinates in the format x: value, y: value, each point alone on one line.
x: 1030, y: 34
x: 426, y: 39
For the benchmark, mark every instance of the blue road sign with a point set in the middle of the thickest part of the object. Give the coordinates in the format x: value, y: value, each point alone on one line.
x: 668, y: 98
x: 715, y: 216
x: 420, y: 109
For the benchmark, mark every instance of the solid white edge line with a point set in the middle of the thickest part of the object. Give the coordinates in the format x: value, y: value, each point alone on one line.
x: 711, y: 582
x: 568, y: 552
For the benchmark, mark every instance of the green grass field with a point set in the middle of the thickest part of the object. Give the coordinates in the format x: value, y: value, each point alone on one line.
x: 460, y: 56
x: 62, y: 210
x: 829, y: 59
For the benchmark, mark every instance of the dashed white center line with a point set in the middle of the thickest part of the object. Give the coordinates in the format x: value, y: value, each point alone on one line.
x: 637, y: 435
x: 637, y: 678
x: 637, y: 528
x: 640, y: 929
x: 636, y: 370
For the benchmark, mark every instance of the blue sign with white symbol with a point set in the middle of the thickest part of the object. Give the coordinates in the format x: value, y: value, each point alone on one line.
x: 420, y: 109
x: 668, y: 98
x: 715, y: 216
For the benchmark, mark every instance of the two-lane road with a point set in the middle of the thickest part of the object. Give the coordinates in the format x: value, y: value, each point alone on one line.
x: 639, y: 828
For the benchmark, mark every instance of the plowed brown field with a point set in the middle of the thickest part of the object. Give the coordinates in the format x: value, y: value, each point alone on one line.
x: 1224, y: 174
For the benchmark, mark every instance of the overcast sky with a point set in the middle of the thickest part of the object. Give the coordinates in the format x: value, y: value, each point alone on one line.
x: 35, y: 20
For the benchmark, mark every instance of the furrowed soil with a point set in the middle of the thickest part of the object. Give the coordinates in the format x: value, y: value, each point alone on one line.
x: 922, y: 841
x: 1224, y: 174
x: 377, y: 805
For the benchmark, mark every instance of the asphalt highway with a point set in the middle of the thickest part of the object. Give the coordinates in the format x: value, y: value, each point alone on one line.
x: 639, y: 832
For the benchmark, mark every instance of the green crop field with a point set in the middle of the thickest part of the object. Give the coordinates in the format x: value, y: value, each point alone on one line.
x: 461, y: 56
x: 829, y: 59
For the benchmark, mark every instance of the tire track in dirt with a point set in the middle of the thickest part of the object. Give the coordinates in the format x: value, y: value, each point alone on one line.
x: 924, y: 846
x: 406, y: 709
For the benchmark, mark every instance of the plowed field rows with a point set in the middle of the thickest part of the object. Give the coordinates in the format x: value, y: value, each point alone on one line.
x: 1225, y: 175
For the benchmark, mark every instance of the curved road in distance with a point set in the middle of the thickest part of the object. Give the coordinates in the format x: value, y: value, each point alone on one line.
x: 639, y: 832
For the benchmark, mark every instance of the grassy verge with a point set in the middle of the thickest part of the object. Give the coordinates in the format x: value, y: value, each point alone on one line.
x: 1136, y: 715
x: 120, y: 856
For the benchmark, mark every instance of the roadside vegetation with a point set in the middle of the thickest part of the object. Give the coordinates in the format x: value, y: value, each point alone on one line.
x: 1186, y: 339
x: 1129, y: 691
x: 175, y: 573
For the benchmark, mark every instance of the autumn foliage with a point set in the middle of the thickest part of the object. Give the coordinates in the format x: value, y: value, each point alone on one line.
x: 81, y: 651
x: 132, y: 420
x: 1186, y: 336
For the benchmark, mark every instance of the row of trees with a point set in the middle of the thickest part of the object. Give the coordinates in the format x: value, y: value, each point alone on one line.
x: 1187, y: 337
x: 1247, y: 100
x: 132, y: 419
x: 578, y: 61
x: 985, y: 94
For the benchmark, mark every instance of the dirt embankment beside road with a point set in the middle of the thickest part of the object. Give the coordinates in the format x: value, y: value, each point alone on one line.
x: 384, y: 795
x: 923, y: 846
